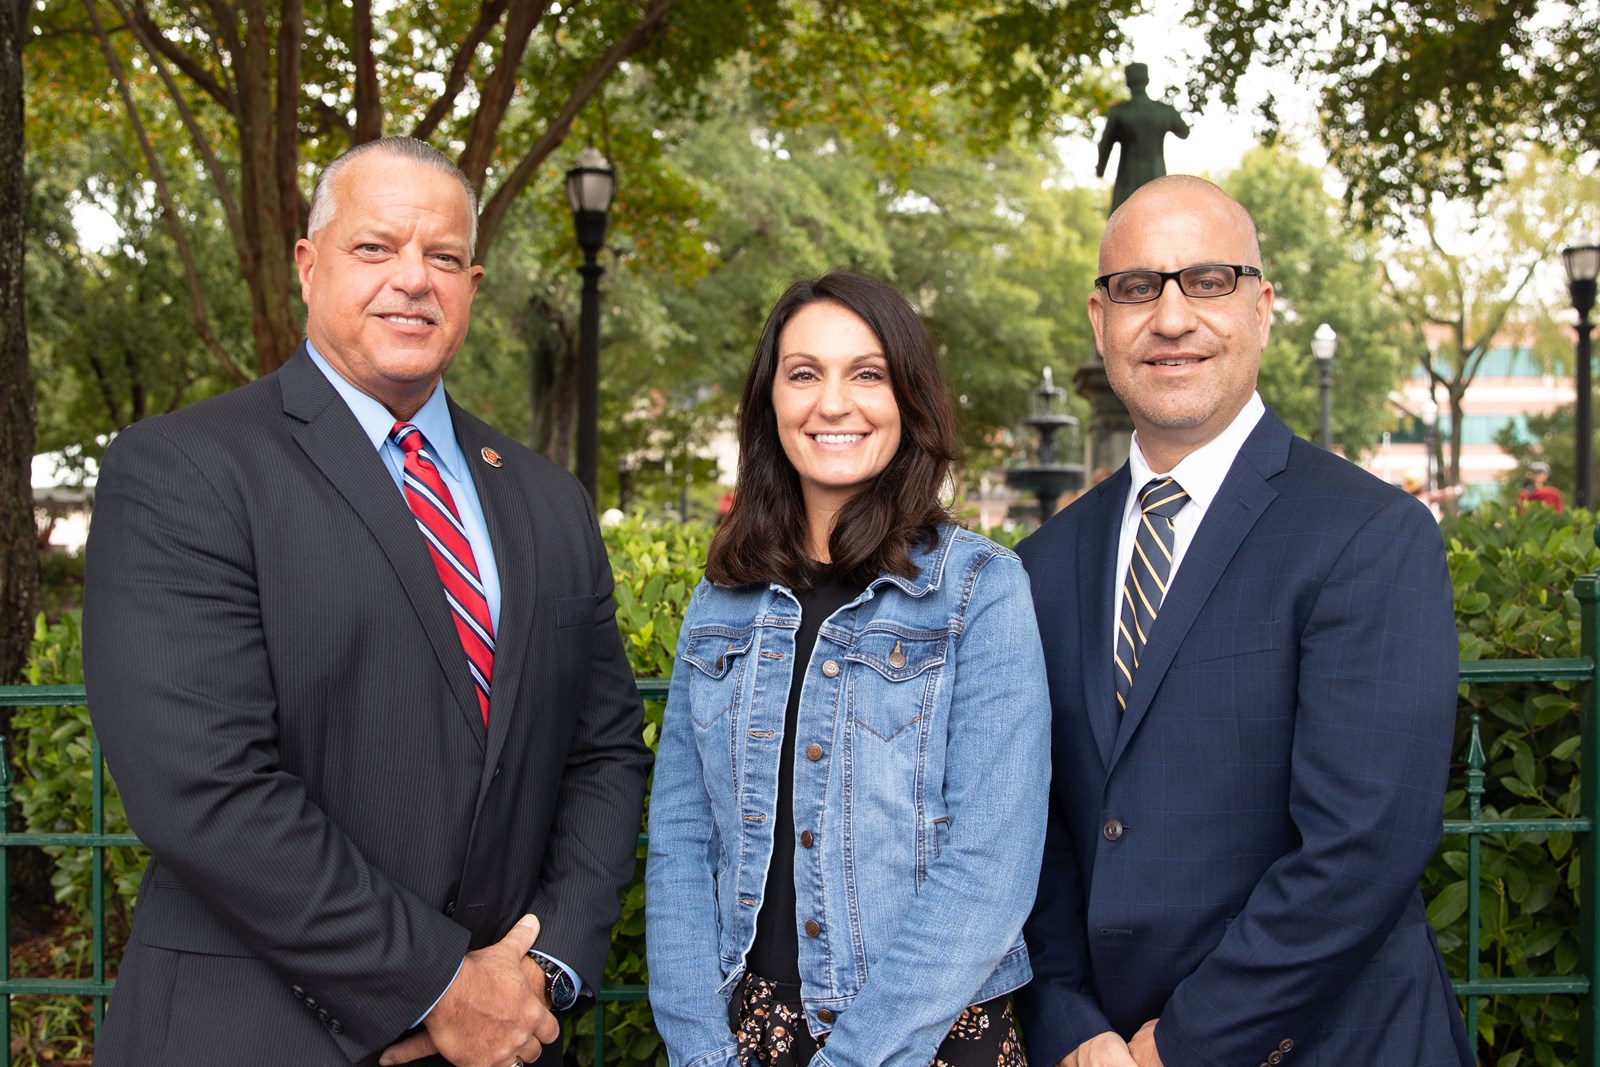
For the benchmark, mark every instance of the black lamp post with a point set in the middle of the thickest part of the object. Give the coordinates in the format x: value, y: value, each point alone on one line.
x: 1582, y: 261
x: 1323, y: 344
x: 590, y: 185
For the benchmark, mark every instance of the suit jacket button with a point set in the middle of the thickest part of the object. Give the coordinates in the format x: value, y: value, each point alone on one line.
x: 299, y: 993
x: 324, y: 1015
x: 824, y: 1015
x: 1286, y: 1045
x: 1112, y: 829
x: 311, y: 1003
x: 813, y: 928
x: 336, y: 1026
x: 1274, y: 1058
x: 450, y: 908
x: 813, y: 752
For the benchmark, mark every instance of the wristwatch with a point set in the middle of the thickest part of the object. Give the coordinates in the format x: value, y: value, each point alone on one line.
x: 558, y: 985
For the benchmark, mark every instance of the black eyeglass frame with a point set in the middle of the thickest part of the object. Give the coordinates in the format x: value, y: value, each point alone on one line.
x: 1240, y: 270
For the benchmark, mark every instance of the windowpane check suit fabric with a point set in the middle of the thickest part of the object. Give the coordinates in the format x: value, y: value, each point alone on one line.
x: 440, y: 524
x: 1146, y: 581
x: 1238, y: 852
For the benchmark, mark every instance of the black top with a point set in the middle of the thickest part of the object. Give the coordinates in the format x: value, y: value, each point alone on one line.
x: 775, y: 955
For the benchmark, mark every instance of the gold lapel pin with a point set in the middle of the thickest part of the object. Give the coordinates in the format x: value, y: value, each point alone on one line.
x: 490, y: 456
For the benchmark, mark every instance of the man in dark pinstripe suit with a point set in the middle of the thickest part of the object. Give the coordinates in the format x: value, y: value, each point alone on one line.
x: 1252, y: 659
x: 353, y: 835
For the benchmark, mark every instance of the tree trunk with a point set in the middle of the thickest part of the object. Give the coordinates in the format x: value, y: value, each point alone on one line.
x: 552, y: 380
x: 19, y: 550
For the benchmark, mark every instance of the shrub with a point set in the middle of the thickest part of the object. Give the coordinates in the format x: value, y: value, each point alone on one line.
x: 1513, y: 574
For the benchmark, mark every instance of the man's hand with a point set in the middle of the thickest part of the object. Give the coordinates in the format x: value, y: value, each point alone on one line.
x: 493, y: 1013
x: 1102, y: 1050
x: 1143, y: 1046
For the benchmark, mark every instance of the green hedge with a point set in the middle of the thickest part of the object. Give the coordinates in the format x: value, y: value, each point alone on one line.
x: 1513, y: 575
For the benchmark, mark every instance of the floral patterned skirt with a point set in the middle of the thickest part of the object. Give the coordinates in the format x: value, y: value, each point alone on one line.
x: 770, y: 1026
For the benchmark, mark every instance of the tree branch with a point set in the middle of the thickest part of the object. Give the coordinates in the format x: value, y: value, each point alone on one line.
x: 201, y: 321
x: 286, y: 151
x: 188, y: 64
x: 369, y: 107
x: 488, y: 18
x: 498, y: 88
x: 494, y: 212
x: 219, y: 178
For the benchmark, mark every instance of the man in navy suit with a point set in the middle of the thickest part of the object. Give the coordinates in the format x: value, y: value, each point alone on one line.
x: 1252, y: 659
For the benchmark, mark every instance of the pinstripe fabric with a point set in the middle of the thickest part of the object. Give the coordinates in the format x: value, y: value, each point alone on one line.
x: 430, y: 501
x: 1146, y: 582
x: 327, y: 810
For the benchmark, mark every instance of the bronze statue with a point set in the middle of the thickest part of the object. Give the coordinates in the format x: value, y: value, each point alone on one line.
x: 1138, y: 124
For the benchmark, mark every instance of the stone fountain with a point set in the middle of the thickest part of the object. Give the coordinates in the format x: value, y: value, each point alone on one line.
x: 1047, y: 479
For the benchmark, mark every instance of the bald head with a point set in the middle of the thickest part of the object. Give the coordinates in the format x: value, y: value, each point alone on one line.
x: 1178, y: 192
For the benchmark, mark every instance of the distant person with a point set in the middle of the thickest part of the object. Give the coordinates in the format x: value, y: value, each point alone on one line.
x: 1139, y: 125
x: 849, y: 798
x: 1537, y: 490
x: 1252, y: 660
x: 354, y: 660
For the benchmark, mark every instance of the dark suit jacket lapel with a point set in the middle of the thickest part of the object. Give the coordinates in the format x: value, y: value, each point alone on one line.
x: 332, y: 438
x: 1097, y: 580
x: 511, y: 531
x: 1241, y: 500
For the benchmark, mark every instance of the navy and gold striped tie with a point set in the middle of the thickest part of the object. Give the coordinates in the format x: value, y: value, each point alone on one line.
x: 1146, y: 582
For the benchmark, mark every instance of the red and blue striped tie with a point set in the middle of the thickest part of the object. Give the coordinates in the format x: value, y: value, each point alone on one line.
x: 441, y: 527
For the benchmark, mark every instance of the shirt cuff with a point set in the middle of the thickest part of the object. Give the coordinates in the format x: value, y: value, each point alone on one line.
x: 440, y: 997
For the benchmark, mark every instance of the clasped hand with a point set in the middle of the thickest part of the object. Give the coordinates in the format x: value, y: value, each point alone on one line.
x: 1109, y: 1050
x: 495, y: 1012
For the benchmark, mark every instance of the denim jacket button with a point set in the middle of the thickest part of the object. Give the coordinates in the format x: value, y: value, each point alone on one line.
x: 813, y: 752
x: 831, y: 669
x: 824, y: 1015
x: 806, y: 839
x: 813, y: 928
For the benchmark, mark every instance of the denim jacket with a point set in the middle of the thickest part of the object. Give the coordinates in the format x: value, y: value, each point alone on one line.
x: 920, y: 778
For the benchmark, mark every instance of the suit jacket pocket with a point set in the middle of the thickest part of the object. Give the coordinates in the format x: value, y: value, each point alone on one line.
x: 1207, y: 642
x: 574, y: 610
x: 170, y: 916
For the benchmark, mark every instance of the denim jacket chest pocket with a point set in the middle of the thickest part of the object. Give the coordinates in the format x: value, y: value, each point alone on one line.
x: 894, y: 677
x: 718, y: 655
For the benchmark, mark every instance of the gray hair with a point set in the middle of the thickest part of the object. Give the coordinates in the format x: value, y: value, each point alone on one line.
x: 324, y: 201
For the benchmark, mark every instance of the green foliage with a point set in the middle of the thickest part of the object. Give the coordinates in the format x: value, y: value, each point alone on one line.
x: 54, y: 760
x: 1513, y: 573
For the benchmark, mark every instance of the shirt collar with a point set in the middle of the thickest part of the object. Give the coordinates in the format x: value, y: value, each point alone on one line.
x: 433, y: 418
x: 1201, y: 472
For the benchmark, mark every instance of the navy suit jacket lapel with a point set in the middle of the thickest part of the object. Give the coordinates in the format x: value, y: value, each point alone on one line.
x: 511, y: 530
x: 1243, y: 497
x: 1097, y: 581
x: 333, y: 440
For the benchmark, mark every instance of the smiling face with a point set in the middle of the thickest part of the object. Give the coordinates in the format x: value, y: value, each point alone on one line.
x: 1183, y: 366
x: 388, y: 282
x: 836, y: 412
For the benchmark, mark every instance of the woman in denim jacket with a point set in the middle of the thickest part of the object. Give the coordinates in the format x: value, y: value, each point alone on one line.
x: 849, y: 800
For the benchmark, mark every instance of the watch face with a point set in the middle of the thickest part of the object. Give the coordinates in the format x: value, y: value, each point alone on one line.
x: 558, y: 985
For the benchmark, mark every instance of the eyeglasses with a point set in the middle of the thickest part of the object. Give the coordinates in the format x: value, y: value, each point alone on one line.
x: 1200, y: 282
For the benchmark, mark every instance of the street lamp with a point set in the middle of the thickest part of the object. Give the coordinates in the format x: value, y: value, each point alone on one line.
x: 1323, y: 344
x: 1430, y: 427
x: 590, y: 185
x: 1582, y: 261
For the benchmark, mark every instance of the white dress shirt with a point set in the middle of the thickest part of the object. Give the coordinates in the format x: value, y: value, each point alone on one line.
x: 1200, y: 474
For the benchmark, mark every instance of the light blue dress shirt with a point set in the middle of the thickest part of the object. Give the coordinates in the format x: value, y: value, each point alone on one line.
x: 433, y: 420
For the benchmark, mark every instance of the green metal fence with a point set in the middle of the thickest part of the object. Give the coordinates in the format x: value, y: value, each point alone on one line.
x: 1582, y: 669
